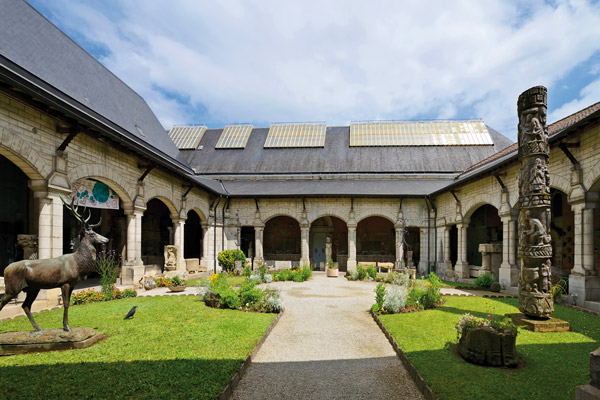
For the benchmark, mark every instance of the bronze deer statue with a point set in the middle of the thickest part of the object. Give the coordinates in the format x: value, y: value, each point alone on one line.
x: 64, y: 272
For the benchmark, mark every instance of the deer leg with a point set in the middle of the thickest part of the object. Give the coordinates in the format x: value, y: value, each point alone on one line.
x: 66, y: 290
x: 31, y: 295
x: 6, y: 298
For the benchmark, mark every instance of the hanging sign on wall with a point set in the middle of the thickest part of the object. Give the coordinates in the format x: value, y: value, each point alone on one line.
x: 94, y: 194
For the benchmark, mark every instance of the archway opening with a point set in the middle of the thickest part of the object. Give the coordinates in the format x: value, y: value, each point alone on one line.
x: 412, y: 253
x: 336, y: 230
x: 453, y: 245
x: 281, y: 239
x: 375, y: 240
x: 247, y: 238
x: 562, y: 231
x: 192, y: 231
x: 156, y: 234
x: 485, y: 227
x: 16, y: 199
x: 100, y: 202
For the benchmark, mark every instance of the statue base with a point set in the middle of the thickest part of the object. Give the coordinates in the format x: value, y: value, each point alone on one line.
x: 539, y: 325
x: 51, y: 340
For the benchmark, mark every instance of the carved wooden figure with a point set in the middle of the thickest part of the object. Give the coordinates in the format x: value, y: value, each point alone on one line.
x: 535, y: 249
x: 64, y: 272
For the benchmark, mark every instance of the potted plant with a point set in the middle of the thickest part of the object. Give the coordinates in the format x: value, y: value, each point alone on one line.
x: 177, y: 284
x: 332, y: 270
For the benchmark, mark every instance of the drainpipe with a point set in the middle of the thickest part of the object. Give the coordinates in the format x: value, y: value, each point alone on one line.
x: 434, y: 235
x: 223, y: 223
x: 428, y: 234
x: 215, y: 235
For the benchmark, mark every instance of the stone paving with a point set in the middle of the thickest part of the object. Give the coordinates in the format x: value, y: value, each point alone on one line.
x: 326, y: 345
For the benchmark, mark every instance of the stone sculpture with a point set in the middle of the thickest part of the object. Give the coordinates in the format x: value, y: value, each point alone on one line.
x: 64, y: 272
x: 535, y: 249
x: 170, y: 258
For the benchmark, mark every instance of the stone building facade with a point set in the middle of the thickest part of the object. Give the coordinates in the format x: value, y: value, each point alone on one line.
x: 452, y: 208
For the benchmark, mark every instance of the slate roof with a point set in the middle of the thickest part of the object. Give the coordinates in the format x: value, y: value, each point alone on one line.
x: 36, y: 55
x: 335, y: 157
x: 335, y: 187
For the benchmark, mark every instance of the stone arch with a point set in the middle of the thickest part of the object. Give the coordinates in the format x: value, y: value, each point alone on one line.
x: 23, y: 155
x: 166, y: 196
x: 473, y: 204
x: 200, y: 214
x: 592, y: 176
x: 329, y: 215
x: 271, y: 216
x: 392, y: 219
x: 167, y: 202
x: 560, y: 183
x: 109, y: 176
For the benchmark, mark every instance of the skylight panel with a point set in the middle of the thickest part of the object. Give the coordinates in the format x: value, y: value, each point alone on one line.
x: 187, y: 137
x: 296, y: 135
x: 234, y: 137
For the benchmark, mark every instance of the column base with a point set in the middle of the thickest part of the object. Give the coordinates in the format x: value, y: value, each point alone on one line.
x: 462, y: 270
x: 584, y: 288
x: 509, y: 275
x: 132, y: 274
x: 351, y: 266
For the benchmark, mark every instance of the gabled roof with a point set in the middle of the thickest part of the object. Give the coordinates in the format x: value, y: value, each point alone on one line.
x: 39, y: 59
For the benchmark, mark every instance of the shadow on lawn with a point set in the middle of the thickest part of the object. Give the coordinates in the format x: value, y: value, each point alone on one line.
x: 181, y: 378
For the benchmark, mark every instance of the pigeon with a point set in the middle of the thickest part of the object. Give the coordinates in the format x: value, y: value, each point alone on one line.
x: 130, y: 313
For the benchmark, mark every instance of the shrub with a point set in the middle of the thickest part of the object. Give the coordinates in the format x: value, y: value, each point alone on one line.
x: 372, y: 271
x: 361, y: 274
x: 268, y: 278
x: 227, y: 259
x: 177, y: 281
x: 306, y: 271
x: 397, y: 278
x: 255, y: 278
x: 415, y: 297
x: 484, y: 281
x: 129, y: 293
x: 248, y: 297
x: 162, y: 281
x: 395, y: 300
x: 108, y: 263
x: 379, y: 296
x: 262, y: 269
x: 249, y: 294
x: 93, y: 296
x: 248, y: 270
x: 468, y: 321
x: 272, y: 302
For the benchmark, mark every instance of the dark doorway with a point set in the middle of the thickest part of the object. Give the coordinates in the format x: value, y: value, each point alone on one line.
x: 192, y: 231
x: 247, y: 245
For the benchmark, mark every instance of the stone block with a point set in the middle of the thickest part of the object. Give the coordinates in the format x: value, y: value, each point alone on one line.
x: 192, y: 264
x: 539, y: 325
x: 595, y: 368
x: 587, y: 392
x: 279, y: 265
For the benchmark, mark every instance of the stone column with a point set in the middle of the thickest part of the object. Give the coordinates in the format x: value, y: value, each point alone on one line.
x: 399, y: 247
x: 535, y: 248
x: 462, y: 267
x: 178, y: 240
x: 351, y: 264
x: 447, y: 259
x: 130, y: 254
x: 45, y: 228
x: 584, y: 283
x: 138, y: 214
x: 205, y: 244
x: 578, y: 239
x: 423, y: 268
x: 132, y: 269
x: 258, y: 244
x: 304, y: 250
x: 57, y: 223
x: 509, y: 271
x: 588, y: 240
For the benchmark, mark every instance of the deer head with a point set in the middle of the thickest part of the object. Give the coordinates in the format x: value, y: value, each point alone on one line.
x: 87, y: 229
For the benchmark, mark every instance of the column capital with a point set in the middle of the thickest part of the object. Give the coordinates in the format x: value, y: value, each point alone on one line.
x: 351, y: 227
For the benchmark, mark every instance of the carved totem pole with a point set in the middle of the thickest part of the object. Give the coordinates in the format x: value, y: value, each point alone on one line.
x: 535, y: 249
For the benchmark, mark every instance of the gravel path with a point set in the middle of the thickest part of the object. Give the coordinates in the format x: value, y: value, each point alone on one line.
x: 326, y: 346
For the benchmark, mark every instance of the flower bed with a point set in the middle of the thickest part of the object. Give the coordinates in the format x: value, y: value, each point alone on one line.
x: 93, y: 296
x: 219, y: 294
x: 162, y: 281
x: 297, y: 275
x: 402, y: 295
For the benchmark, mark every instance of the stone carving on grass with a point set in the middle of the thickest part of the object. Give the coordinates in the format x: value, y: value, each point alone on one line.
x: 535, y: 249
x: 487, y: 341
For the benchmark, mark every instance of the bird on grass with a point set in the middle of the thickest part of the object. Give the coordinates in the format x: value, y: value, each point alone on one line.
x: 130, y: 313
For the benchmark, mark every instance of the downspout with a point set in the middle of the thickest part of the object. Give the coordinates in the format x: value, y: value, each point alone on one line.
x: 428, y: 234
x: 435, y: 238
x: 215, y: 234
x: 223, y: 223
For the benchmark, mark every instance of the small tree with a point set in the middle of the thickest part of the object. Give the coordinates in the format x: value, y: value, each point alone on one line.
x: 109, y: 266
x: 227, y: 259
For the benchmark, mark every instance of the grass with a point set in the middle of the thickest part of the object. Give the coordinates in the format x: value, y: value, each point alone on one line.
x: 457, y: 284
x: 174, y: 347
x: 554, y: 362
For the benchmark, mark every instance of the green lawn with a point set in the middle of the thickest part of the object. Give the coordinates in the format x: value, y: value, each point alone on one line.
x: 555, y: 362
x: 174, y: 347
x: 455, y: 284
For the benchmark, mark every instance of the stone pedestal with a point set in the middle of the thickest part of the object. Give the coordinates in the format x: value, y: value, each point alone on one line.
x: 192, y: 265
x: 486, y: 346
x: 539, y: 325
x: 491, y: 257
x: 591, y: 391
x: 584, y: 288
x: 133, y: 274
x: 50, y: 340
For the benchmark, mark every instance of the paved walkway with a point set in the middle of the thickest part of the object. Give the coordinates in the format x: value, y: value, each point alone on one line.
x: 326, y: 346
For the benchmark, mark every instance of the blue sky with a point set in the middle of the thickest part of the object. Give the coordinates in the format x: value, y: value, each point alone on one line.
x: 231, y: 61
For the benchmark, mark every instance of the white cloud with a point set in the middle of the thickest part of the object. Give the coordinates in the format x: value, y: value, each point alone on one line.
x: 338, y: 61
x: 587, y: 96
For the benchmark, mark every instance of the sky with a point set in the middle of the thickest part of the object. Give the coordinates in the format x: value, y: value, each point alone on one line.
x: 242, y: 61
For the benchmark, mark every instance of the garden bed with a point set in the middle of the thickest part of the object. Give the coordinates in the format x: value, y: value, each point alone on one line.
x: 554, y: 362
x: 173, y: 345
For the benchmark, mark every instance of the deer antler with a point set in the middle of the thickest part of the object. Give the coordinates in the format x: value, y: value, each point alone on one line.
x: 74, y: 210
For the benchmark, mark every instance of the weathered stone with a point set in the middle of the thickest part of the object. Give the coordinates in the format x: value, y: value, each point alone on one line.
x: 213, y: 299
x: 496, y: 287
x: 535, y: 249
x: 40, y: 341
x: 149, y: 283
x: 540, y: 325
x: 171, y: 257
x: 486, y: 346
x: 595, y: 368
